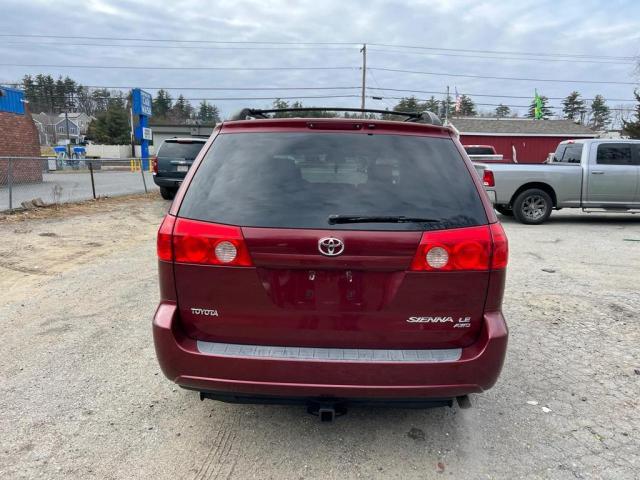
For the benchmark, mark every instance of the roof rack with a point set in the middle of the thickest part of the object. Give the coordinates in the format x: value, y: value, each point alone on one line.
x: 417, y: 117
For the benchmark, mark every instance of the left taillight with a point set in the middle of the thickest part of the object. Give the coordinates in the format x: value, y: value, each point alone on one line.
x: 488, y: 180
x: 164, y: 242
x: 209, y: 244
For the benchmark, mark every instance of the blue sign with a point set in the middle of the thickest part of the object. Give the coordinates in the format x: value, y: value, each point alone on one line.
x: 11, y: 100
x: 141, y: 102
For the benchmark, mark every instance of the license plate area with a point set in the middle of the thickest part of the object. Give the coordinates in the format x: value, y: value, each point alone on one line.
x: 182, y: 168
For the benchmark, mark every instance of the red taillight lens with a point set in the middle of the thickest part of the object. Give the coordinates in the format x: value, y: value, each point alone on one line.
x: 500, y: 256
x: 154, y: 164
x: 164, y: 247
x: 487, y: 179
x: 209, y: 243
x: 458, y: 249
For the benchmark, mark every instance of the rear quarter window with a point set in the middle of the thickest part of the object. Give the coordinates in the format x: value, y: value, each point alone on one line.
x: 297, y: 180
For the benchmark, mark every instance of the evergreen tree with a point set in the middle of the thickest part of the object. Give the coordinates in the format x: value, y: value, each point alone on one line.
x: 600, y: 112
x: 181, y: 110
x: 208, y: 113
x: 162, y: 104
x: 632, y: 128
x: 409, y: 104
x: 444, y: 104
x: 502, y: 111
x: 431, y: 105
x: 112, y: 126
x: 574, y: 107
x: 546, y: 111
x: 467, y: 108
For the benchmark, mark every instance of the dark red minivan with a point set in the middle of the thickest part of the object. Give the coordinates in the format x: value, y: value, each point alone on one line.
x: 331, y: 261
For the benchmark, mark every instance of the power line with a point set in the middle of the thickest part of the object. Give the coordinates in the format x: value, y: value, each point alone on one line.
x: 256, y: 42
x: 140, y: 67
x: 525, y: 58
x: 107, y: 87
x: 487, y: 77
x: 433, y: 92
x: 503, y: 52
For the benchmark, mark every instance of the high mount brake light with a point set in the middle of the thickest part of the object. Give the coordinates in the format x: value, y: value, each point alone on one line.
x: 488, y: 180
x: 209, y: 244
x: 462, y: 249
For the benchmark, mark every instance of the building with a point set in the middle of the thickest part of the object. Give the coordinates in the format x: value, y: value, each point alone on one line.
x: 53, y: 128
x: 164, y: 131
x: 18, y: 138
x: 531, y: 140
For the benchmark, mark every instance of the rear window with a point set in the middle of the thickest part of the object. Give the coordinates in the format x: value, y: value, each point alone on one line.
x: 188, y: 151
x: 297, y: 180
x: 568, y: 153
x: 479, y: 151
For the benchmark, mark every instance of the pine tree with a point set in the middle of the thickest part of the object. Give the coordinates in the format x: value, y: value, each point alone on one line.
x: 546, y: 111
x: 162, y: 104
x: 181, y: 110
x: 431, y: 105
x: 502, y: 111
x: 573, y: 107
x: 600, y: 113
x: 208, y: 113
x: 632, y: 129
x: 111, y: 126
x: 467, y: 107
x: 409, y: 104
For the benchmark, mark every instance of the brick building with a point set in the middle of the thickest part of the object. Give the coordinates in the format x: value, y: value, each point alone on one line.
x: 19, y: 138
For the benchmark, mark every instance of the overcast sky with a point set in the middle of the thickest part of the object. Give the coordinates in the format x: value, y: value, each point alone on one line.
x: 585, y: 28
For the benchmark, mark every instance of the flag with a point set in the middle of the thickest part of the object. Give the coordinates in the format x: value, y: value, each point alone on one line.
x: 537, y: 111
x: 458, y: 101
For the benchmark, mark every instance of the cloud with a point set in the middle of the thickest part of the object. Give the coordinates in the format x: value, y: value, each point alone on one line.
x: 579, y: 27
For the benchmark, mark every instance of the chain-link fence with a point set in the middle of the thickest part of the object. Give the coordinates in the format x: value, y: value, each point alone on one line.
x: 37, y: 181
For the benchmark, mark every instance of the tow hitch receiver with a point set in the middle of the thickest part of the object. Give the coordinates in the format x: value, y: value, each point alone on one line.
x: 326, y: 412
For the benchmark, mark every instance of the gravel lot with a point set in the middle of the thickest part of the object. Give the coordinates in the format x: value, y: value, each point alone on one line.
x: 81, y: 394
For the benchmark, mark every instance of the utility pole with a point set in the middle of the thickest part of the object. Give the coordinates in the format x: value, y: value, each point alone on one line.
x: 446, y: 107
x: 66, y: 122
x: 364, y: 74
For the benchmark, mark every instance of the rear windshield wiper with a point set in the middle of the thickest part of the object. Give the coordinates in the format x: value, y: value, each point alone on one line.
x: 338, y: 219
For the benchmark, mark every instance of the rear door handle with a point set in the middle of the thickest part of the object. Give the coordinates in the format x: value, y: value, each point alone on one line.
x: 597, y: 172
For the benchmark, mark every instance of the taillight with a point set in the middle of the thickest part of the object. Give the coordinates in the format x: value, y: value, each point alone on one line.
x: 209, y: 244
x: 500, y: 256
x: 488, y: 179
x: 462, y: 249
x: 456, y: 249
x: 164, y: 247
x: 154, y: 164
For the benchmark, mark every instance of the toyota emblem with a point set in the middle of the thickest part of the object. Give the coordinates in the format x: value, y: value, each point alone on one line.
x: 330, y: 246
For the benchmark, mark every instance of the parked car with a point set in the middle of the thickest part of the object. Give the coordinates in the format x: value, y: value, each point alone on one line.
x: 172, y: 163
x: 594, y: 174
x: 484, y: 154
x: 331, y: 261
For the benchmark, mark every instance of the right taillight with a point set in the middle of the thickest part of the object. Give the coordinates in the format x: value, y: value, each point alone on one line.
x: 500, y: 256
x: 462, y: 249
x: 164, y: 243
x: 488, y: 179
x: 209, y: 244
x: 154, y: 165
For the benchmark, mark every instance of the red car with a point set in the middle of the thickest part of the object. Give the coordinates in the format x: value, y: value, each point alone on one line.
x: 329, y: 262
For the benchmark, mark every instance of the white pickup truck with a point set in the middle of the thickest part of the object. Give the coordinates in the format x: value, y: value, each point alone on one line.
x: 595, y: 175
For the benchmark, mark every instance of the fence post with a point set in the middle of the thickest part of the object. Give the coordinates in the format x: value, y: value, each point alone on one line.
x: 93, y: 185
x: 144, y: 182
x: 10, y: 183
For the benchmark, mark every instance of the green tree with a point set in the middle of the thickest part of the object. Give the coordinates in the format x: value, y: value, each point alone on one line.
x: 574, y: 107
x: 162, y: 104
x: 446, y: 105
x: 431, y: 105
x: 600, y: 112
x: 632, y: 128
x: 502, y: 111
x: 208, y: 113
x: 181, y: 110
x: 467, y: 107
x: 111, y: 126
x: 409, y: 104
x: 546, y: 111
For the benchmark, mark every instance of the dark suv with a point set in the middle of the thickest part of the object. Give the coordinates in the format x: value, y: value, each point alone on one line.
x: 331, y: 261
x: 172, y: 163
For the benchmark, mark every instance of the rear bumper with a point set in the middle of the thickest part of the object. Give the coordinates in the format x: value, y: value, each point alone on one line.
x: 476, y: 369
x: 169, y: 182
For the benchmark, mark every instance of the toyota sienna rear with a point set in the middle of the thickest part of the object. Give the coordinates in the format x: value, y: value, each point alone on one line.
x: 331, y: 261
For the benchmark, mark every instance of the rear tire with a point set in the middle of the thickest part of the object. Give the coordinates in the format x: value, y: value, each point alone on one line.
x: 167, y: 193
x: 532, y: 207
x: 504, y: 210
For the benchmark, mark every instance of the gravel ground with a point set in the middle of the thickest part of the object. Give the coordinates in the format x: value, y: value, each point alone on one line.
x: 81, y: 394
